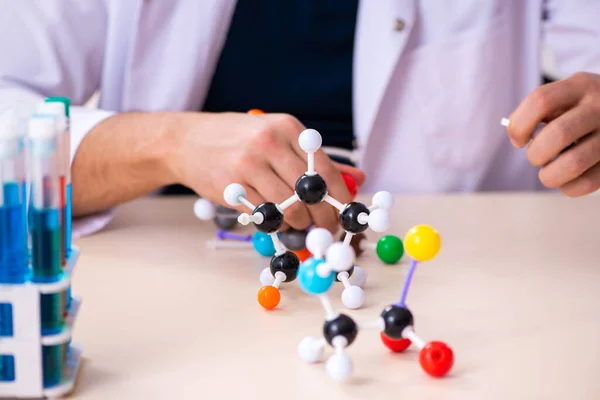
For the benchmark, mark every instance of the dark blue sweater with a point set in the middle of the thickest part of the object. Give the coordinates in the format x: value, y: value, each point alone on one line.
x: 290, y: 56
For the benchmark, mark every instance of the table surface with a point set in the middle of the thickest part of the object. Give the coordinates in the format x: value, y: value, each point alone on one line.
x: 514, y: 291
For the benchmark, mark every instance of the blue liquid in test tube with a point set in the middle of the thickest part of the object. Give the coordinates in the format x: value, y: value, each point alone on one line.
x: 44, y: 218
x: 45, y: 223
x: 14, y: 266
x: 66, y: 167
x: 60, y: 108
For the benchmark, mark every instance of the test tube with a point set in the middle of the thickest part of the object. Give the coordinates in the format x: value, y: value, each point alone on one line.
x: 45, y: 218
x: 45, y: 223
x: 65, y: 109
x: 14, y: 268
x: 58, y: 107
x: 57, y: 110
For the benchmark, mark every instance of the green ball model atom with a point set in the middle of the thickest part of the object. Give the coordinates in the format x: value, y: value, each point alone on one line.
x: 390, y: 249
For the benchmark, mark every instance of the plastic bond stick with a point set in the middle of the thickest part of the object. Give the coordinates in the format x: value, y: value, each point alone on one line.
x: 279, y: 277
x: 279, y: 249
x: 368, y: 245
x: 289, y: 202
x: 245, y: 202
x: 378, y: 324
x: 334, y: 202
x: 348, y: 238
x: 506, y: 122
x: 222, y: 234
x: 344, y: 278
x: 407, y: 281
x: 410, y: 334
x: 221, y: 244
x: 329, y: 311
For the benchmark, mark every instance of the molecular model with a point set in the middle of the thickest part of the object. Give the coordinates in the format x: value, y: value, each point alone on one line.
x: 310, y: 189
x: 396, y: 322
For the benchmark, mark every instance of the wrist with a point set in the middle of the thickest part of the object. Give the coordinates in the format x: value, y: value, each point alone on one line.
x: 184, y: 144
x: 168, y: 146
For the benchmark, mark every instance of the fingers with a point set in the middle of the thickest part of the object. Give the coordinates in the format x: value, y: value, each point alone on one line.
x: 327, y: 216
x: 587, y: 183
x: 289, y: 167
x: 271, y: 186
x: 543, y: 104
x: 291, y: 164
x: 573, y: 163
x: 323, y: 214
x: 336, y: 186
x: 563, y: 132
x: 288, y: 160
x: 358, y: 175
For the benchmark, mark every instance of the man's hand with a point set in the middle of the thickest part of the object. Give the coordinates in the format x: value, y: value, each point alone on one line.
x: 129, y: 155
x: 260, y: 152
x: 571, y: 109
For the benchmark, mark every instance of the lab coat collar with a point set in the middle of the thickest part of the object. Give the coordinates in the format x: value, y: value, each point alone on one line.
x: 378, y: 46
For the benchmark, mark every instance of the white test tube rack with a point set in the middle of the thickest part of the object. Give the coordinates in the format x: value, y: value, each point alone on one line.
x: 26, y: 343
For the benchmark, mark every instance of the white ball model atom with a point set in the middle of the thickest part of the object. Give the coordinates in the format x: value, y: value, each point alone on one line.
x: 383, y: 200
x: 379, y: 220
x: 340, y: 257
x: 232, y: 194
x: 311, y: 349
x: 353, y: 297
x: 339, y: 366
x: 204, y: 210
x: 310, y: 140
x: 318, y: 240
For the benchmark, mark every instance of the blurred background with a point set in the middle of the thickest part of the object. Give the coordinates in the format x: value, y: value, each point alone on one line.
x: 549, y: 69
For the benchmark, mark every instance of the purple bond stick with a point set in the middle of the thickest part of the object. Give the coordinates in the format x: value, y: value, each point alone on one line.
x: 411, y: 271
x: 223, y: 234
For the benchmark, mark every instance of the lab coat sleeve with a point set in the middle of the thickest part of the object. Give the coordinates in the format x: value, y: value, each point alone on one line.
x: 571, y: 30
x: 55, y: 48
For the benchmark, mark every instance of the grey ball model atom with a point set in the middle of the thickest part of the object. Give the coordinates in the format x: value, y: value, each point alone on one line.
x: 225, y: 218
x: 293, y: 239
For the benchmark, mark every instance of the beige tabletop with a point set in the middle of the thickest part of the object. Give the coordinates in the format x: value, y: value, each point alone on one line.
x: 515, y: 291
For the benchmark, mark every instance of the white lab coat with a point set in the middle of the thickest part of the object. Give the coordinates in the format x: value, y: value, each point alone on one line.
x: 428, y: 98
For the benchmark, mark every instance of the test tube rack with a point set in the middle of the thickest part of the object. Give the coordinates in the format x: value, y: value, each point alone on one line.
x: 27, y: 341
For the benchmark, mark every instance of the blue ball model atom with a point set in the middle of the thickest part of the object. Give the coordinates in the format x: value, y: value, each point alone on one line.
x: 263, y: 244
x: 310, y: 281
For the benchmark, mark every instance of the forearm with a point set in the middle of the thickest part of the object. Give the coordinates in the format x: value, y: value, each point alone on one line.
x: 124, y: 157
